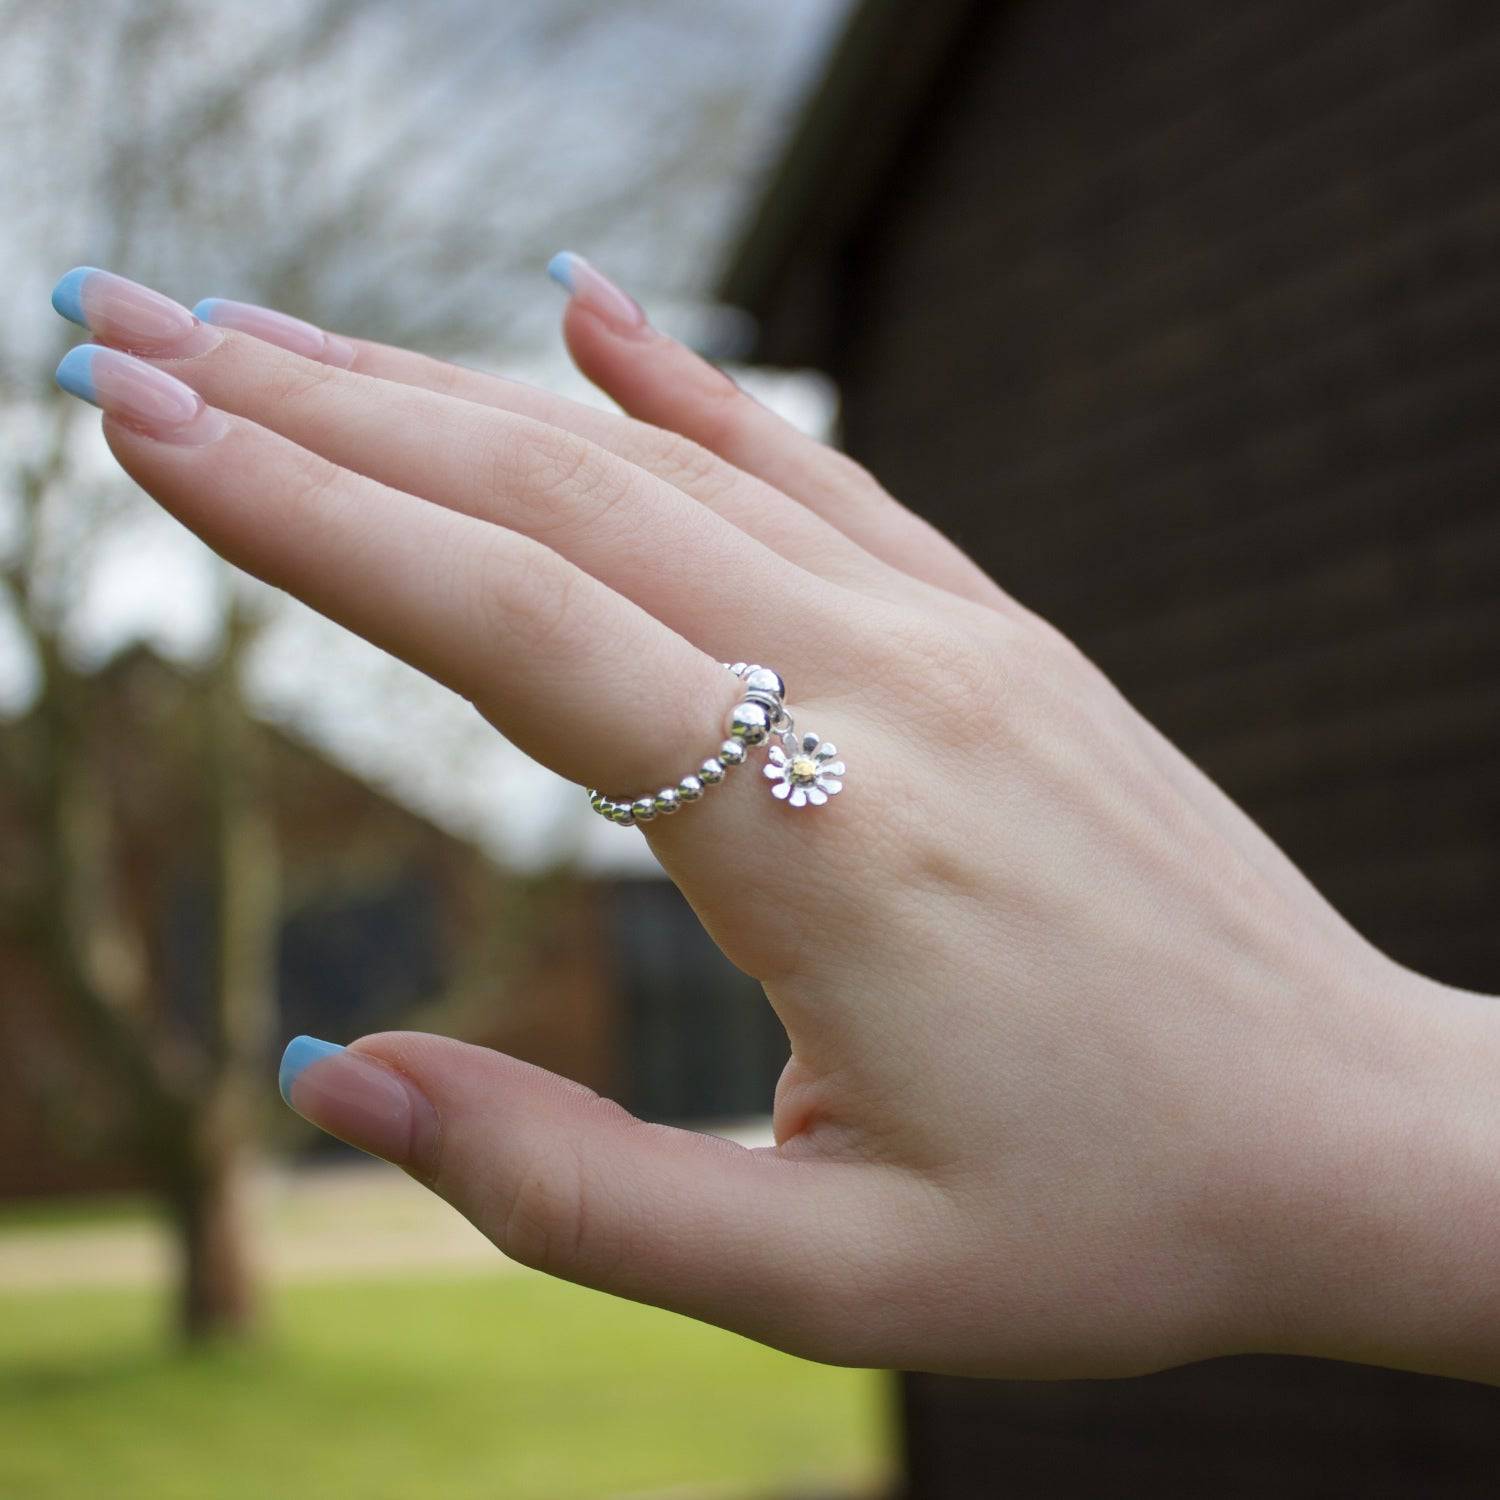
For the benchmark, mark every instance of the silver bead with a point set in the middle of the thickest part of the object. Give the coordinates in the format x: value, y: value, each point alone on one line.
x: 644, y: 809
x: 690, y: 788
x: 597, y: 801
x: 711, y: 772
x: 732, y: 753
x: 667, y: 800
x: 750, y: 723
x: 739, y: 669
x: 762, y: 680
x: 626, y: 818
x: 617, y: 812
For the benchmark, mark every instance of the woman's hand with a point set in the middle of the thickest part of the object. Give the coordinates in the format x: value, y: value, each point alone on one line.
x: 1086, y: 1079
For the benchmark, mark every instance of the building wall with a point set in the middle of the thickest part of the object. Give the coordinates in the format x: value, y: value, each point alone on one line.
x: 385, y: 920
x: 1184, y: 319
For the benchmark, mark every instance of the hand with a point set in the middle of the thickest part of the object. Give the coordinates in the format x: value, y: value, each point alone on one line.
x: 1086, y: 1079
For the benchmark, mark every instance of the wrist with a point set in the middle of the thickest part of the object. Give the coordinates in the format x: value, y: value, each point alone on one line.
x: 1380, y: 1237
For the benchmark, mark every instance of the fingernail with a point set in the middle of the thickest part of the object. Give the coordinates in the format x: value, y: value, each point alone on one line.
x: 595, y: 291
x: 140, y: 396
x: 278, y: 328
x: 361, y: 1101
x: 126, y: 315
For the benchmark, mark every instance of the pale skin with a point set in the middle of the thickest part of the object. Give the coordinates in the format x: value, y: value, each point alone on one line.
x: 1086, y: 1079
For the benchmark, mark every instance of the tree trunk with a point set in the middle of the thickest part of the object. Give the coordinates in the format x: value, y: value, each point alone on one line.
x: 217, y: 1283
x: 218, y: 1291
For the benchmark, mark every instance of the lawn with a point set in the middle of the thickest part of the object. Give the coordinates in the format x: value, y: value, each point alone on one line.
x: 507, y: 1386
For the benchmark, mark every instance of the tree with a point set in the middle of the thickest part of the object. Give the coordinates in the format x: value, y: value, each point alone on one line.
x: 369, y: 166
x: 192, y: 1092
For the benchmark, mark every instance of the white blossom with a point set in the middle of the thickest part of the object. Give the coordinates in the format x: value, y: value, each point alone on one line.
x: 805, y: 769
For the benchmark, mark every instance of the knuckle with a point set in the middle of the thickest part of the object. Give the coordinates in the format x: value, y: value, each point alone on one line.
x: 541, y: 1225
x: 724, y: 423
x: 720, y: 419
x: 321, y: 489
x: 852, y: 1292
x: 849, y: 474
x: 692, y: 468
x: 535, y: 466
x: 563, y: 1212
x: 956, y: 678
x: 978, y: 683
x: 525, y: 594
x: 446, y: 379
x: 293, y: 379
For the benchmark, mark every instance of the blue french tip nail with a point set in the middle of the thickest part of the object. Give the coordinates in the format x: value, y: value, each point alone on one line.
x: 562, y: 268
x: 204, y: 310
x: 67, y: 295
x: 300, y: 1051
x: 76, y: 372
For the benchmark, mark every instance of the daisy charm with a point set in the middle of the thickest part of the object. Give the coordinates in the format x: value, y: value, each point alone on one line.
x: 804, y: 769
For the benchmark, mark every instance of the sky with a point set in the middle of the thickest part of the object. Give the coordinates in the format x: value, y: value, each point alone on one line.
x: 399, y: 171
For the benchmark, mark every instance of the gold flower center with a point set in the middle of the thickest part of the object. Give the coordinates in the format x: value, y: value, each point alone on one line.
x: 803, y: 768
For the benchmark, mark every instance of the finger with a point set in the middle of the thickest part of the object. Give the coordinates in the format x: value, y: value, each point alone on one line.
x: 128, y: 316
x: 660, y: 381
x: 631, y: 530
x: 635, y: 532
x: 747, y: 501
x: 553, y: 657
x: 565, y: 1181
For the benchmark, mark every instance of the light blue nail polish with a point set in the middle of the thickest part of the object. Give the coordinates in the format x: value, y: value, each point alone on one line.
x: 563, y: 268
x: 67, y: 295
x: 204, y: 310
x: 76, y: 372
x: 300, y: 1051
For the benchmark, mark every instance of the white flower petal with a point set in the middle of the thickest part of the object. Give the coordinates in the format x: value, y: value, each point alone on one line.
x: 781, y: 788
x: 798, y: 797
x: 826, y: 751
x: 827, y: 784
x: 835, y: 769
x: 816, y: 796
x: 809, y: 742
x: 777, y: 755
x: 774, y: 772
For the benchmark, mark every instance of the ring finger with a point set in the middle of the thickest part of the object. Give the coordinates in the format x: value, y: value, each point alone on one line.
x: 542, y: 648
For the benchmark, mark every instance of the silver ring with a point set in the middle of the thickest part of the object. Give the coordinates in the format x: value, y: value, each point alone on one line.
x: 804, y: 770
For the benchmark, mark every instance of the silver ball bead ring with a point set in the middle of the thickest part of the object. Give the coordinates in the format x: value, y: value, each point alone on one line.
x: 805, y: 770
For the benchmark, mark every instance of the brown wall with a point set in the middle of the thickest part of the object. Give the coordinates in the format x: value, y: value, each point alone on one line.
x: 1185, y: 318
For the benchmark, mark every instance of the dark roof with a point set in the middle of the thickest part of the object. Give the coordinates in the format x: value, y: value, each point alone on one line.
x: 878, y: 76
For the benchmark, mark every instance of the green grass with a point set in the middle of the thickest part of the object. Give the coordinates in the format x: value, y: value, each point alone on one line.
x: 508, y: 1386
x: 80, y: 1212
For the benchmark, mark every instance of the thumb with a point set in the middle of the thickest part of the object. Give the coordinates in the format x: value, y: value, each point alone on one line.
x: 563, y: 1180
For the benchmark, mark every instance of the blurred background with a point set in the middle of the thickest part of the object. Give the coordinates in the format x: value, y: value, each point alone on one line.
x: 1182, y: 317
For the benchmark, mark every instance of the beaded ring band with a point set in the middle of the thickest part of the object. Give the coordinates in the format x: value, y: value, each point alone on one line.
x: 804, y: 770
